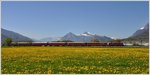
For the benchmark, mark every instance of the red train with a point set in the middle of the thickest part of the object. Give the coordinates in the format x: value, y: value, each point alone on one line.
x: 64, y: 44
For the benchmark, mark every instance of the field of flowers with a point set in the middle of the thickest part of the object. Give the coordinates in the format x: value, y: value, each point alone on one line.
x: 74, y: 60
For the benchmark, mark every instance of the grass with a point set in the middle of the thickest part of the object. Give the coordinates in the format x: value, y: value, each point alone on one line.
x: 70, y: 60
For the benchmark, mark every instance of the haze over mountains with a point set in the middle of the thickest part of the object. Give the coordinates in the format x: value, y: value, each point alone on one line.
x: 140, y: 34
x: 49, y: 39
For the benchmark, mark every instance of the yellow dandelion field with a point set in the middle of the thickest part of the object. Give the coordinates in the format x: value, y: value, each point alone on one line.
x: 74, y: 60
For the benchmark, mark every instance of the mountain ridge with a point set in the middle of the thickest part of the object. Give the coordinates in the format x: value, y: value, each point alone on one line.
x: 85, y: 37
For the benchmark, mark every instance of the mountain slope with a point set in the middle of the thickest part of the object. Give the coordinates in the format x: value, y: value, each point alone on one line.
x: 16, y: 37
x: 144, y: 31
x: 141, y: 34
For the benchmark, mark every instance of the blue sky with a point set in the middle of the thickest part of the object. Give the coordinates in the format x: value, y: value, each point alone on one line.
x: 49, y: 19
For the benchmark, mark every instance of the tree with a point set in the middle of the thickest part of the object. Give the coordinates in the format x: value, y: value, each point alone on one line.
x: 7, y: 42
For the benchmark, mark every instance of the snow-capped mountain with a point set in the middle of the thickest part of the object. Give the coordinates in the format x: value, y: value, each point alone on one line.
x: 85, y: 37
x: 143, y: 31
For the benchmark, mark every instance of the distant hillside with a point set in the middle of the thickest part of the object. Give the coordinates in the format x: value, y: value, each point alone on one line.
x: 141, y: 34
x: 16, y: 37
